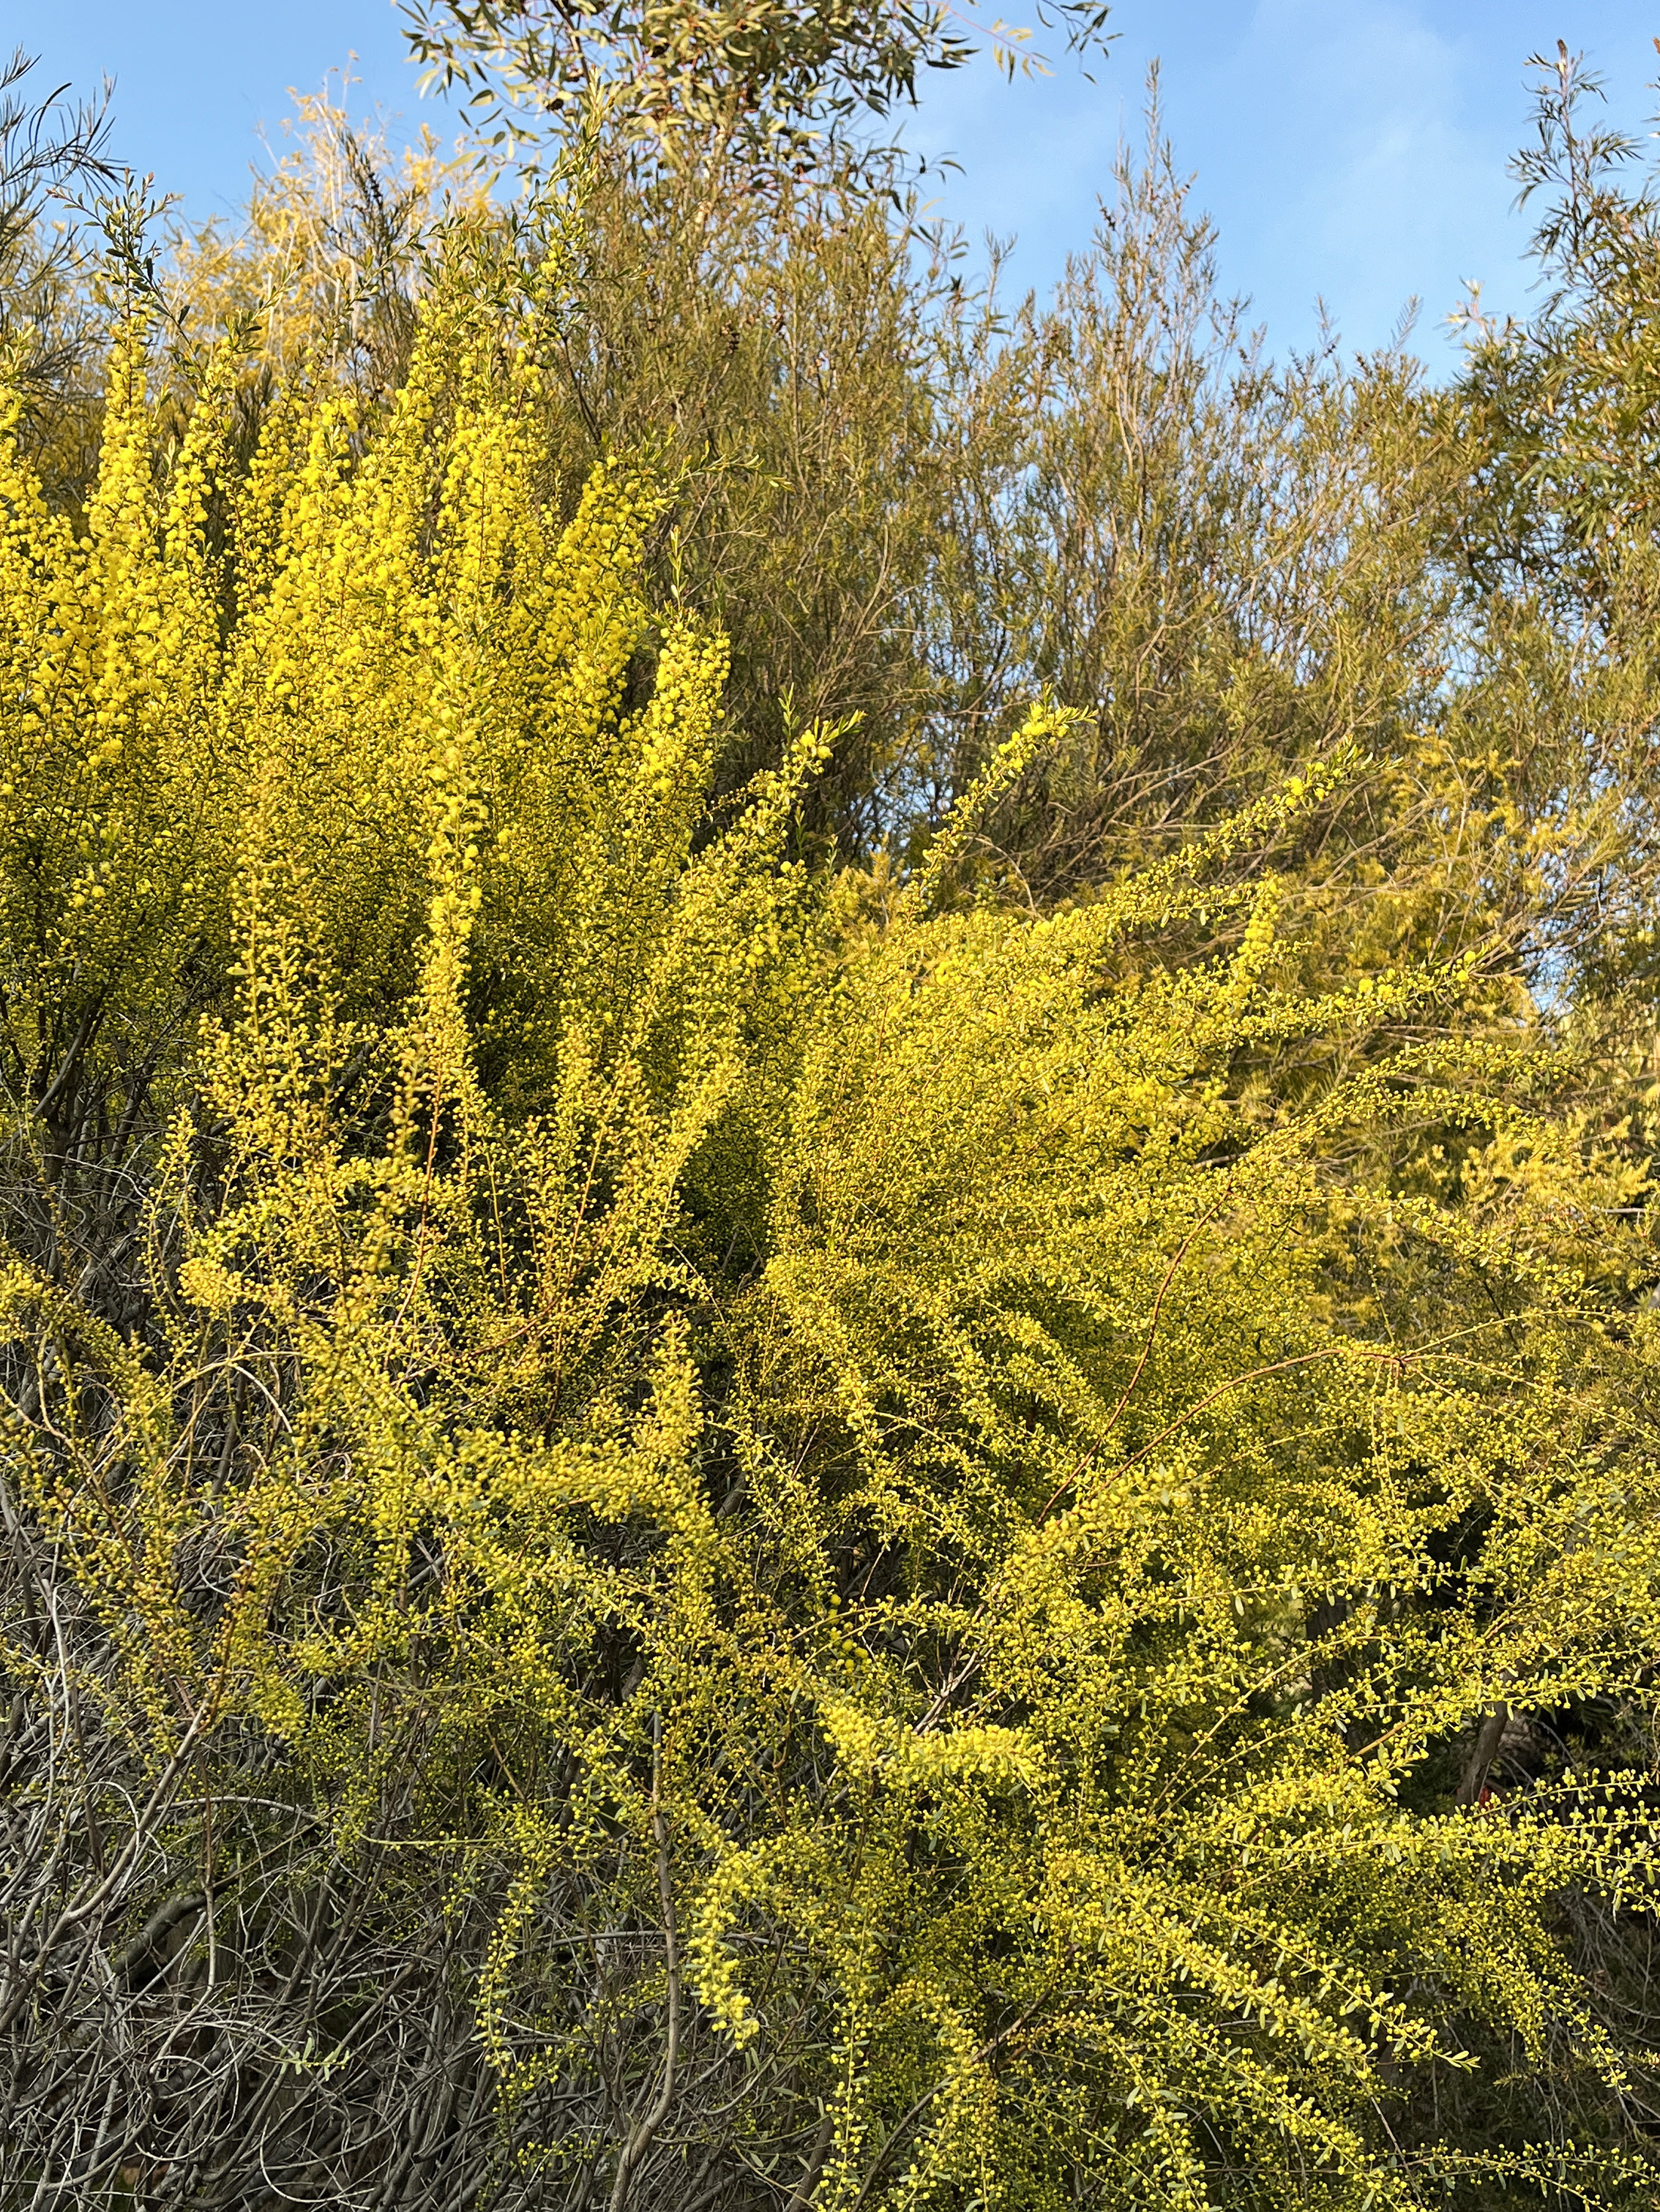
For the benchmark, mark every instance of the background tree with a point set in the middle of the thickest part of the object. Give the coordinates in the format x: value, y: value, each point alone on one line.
x: 48, y: 332
x: 781, y: 88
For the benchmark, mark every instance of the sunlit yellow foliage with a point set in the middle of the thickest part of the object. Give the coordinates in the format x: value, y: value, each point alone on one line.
x: 326, y: 249
x: 897, y: 1574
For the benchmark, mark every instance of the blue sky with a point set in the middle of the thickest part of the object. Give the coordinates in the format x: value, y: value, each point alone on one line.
x: 1351, y: 150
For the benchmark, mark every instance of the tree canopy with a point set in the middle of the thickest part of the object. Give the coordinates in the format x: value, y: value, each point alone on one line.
x: 787, y: 85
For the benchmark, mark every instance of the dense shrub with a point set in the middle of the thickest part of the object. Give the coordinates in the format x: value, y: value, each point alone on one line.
x: 687, y: 1528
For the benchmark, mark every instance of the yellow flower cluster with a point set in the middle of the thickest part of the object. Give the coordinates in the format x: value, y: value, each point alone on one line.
x: 867, y: 1444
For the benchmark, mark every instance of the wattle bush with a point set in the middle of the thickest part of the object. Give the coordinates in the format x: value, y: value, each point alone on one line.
x: 686, y: 1531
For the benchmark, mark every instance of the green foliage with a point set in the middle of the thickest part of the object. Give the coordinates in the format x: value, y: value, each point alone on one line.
x: 48, y: 148
x: 1563, y: 402
x: 784, y: 87
x: 1551, y: 537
